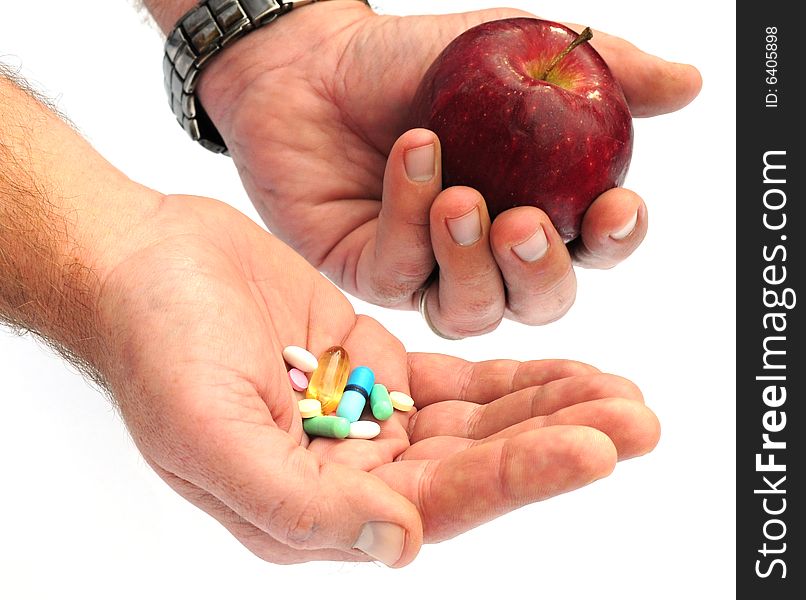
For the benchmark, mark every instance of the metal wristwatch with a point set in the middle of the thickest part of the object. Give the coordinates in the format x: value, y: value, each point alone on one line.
x: 199, y: 35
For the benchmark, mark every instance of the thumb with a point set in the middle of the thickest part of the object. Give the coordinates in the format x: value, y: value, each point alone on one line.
x: 450, y: 26
x: 652, y: 85
x: 266, y: 477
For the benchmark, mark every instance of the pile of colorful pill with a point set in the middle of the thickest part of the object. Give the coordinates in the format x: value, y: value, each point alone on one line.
x: 335, y: 396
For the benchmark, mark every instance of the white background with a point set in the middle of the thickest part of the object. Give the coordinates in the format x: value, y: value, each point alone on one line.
x: 82, y: 516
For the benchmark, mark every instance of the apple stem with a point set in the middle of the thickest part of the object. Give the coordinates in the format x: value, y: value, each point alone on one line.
x: 581, y: 38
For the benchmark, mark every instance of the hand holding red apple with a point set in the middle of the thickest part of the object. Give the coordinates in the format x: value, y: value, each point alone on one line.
x: 331, y: 174
x: 529, y: 115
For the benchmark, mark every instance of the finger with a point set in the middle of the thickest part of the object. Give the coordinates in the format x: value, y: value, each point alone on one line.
x: 631, y: 426
x: 438, y: 377
x: 614, y: 226
x: 263, y: 475
x: 468, y: 298
x: 652, y: 86
x: 478, y: 421
x: 399, y: 258
x: 483, y: 482
x: 535, y: 264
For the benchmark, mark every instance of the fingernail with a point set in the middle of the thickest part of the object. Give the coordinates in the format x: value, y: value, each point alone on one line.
x: 419, y: 163
x: 466, y: 230
x: 382, y: 541
x: 534, y: 248
x: 627, y: 229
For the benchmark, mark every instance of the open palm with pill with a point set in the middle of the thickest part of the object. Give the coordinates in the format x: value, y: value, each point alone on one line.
x: 200, y: 315
x: 313, y: 109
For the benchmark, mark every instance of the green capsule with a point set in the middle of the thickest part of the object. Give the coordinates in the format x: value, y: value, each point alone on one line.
x: 380, y: 403
x: 329, y: 426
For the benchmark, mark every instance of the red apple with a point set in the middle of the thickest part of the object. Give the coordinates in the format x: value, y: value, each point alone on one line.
x: 528, y: 113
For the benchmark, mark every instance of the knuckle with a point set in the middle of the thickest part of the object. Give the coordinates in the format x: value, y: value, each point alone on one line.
x: 295, y: 517
x: 545, y: 306
x: 474, y: 278
x: 397, y: 283
x: 482, y: 307
x: 505, y: 480
x: 389, y: 292
x: 473, y: 317
x: 411, y: 271
x: 485, y: 308
x: 294, y: 523
x: 475, y: 422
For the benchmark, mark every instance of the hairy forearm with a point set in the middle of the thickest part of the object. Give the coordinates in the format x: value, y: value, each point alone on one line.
x: 65, y: 219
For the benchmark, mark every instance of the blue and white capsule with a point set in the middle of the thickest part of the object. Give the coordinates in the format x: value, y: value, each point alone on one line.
x: 356, y: 393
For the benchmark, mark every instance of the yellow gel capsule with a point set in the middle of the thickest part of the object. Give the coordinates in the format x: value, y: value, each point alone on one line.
x: 328, y: 380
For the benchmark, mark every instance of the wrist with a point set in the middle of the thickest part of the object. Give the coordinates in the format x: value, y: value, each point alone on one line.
x: 272, y: 51
x: 167, y: 12
x: 85, y: 241
x: 66, y: 217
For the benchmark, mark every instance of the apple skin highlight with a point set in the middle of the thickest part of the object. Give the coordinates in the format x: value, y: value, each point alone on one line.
x: 556, y: 144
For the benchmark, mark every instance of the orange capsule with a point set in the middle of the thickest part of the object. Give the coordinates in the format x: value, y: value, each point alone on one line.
x: 329, y: 379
